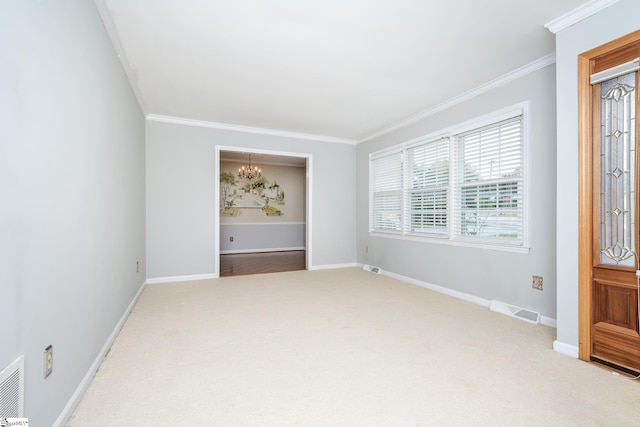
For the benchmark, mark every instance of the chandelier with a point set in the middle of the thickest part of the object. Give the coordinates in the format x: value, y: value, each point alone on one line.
x: 249, y: 172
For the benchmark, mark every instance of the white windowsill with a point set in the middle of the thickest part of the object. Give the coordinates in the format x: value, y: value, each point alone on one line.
x: 451, y: 242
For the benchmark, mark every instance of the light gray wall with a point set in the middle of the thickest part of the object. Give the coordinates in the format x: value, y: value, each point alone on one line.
x: 72, y: 188
x: 609, y: 24
x: 180, y: 196
x: 488, y: 274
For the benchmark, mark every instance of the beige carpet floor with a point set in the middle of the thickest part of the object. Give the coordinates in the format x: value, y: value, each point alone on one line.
x: 340, y: 348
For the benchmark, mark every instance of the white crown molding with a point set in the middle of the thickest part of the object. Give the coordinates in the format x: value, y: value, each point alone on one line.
x: 110, y: 27
x: 247, y: 129
x: 500, y: 81
x: 578, y: 14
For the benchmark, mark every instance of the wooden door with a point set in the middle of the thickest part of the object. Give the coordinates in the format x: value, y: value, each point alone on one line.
x: 614, y: 286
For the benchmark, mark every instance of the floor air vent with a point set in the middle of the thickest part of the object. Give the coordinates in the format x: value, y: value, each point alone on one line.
x: 513, y: 311
x: 12, y: 390
x: 372, y: 269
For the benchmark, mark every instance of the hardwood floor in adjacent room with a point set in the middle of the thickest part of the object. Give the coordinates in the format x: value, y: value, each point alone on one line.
x: 262, y: 262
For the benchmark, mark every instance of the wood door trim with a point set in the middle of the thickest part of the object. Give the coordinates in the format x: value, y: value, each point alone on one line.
x: 585, y: 188
x: 585, y: 213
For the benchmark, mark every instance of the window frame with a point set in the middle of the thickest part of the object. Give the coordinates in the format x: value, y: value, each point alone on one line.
x: 453, y: 235
x: 373, y: 214
x: 411, y: 189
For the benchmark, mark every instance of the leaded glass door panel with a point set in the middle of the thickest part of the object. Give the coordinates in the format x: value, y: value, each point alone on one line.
x: 615, y: 338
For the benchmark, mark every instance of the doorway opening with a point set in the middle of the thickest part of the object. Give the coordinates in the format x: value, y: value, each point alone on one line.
x: 262, y: 219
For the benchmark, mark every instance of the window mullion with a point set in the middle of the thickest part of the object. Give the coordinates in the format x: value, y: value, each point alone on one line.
x: 406, y: 208
x: 454, y: 191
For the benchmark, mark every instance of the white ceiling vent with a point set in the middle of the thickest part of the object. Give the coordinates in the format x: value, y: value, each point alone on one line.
x: 513, y: 311
x: 12, y: 390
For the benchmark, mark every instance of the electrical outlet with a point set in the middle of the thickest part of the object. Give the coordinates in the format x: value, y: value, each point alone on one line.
x: 48, y: 361
x: 537, y: 283
x: 231, y: 239
x: 137, y: 266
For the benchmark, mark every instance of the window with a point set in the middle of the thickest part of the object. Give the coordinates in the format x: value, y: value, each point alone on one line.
x: 489, y: 186
x: 386, y: 184
x: 429, y: 187
x: 465, y: 186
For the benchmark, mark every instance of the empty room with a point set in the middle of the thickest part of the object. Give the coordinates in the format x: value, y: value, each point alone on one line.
x: 336, y: 213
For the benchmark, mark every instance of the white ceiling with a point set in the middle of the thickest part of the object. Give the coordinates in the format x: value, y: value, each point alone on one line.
x: 341, y: 69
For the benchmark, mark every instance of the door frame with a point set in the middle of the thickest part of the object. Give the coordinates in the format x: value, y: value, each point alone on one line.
x: 585, y: 189
x: 308, y: 198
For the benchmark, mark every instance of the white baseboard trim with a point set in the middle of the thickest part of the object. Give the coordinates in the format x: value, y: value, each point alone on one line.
x: 332, y: 266
x: 253, y: 251
x: 440, y: 289
x: 547, y: 321
x: 566, y: 349
x: 188, y: 278
x: 67, y: 412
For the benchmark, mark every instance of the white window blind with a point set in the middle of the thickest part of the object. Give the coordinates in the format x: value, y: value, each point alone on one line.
x: 386, y: 193
x: 489, y: 189
x: 461, y: 186
x: 428, y: 187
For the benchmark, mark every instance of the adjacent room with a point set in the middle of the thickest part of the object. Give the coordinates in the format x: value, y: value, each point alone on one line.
x: 262, y: 220
x: 319, y: 213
